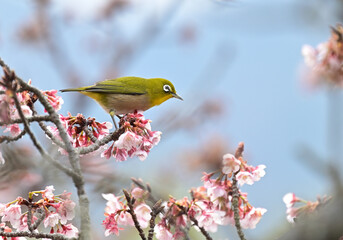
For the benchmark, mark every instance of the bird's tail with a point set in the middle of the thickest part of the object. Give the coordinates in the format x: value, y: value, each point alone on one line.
x: 72, y: 90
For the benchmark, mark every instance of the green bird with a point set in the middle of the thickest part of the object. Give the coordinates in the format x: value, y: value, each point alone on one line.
x: 127, y: 94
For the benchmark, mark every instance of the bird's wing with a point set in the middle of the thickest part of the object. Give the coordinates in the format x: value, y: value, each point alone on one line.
x: 123, y: 85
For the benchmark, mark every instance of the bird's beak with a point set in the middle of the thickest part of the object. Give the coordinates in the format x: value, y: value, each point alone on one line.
x: 177, y: 96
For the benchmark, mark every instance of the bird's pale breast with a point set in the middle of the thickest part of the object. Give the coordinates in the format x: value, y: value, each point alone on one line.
x: 124, y: 103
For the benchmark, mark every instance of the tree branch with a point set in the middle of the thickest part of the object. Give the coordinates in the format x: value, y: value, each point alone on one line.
x: 202, y: 229
x: 195, y: 222
x: 54, y: 236
x: 133, y: 214
x: 156, y: 209
x: 235, y: 194
x: 39, y: 118
x: 96, y: 145
x: 40, y: 219
x: 72, y: 154
x: 12, y: 139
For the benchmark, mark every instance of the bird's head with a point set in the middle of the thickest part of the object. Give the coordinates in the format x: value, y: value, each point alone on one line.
x: 161, y: 90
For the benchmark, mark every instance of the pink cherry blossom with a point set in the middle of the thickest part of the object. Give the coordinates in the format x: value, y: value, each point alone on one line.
x: 143, y: 214
x: 245, y: 178
x: 121, y: 155
x: 23, y: 222
x: 111, y: 225
x: 124, y: 218
x: 107, y: 153
x: 252, y: 218
x: 55, y: 101
x: 66, y: 211
x: 290, y: 199
x: 136, y: 141
x: 162, y: 233
x: 128, y: 140
x: 155, y: 137
x: 230, y: 164
x: 14, y: 129
x: 326, y: 60
x: 51, y: 220
x: 26, y: 111
x: 291, y: 214
x: 113, y: 204
x: 310, y: 55
x: 258, y: 172
x: 208, y: 219
x: 12, y: 214
x: 142, y: 155
x: 48, y: 193
x: 75, y: 126
x: 2, y: 209
x: 216, y: 190
x: 69, y: 230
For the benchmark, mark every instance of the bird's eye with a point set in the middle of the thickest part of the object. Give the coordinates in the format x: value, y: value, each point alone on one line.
x: 166, y: 88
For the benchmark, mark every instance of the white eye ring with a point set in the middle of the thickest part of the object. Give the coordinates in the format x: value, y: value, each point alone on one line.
x: 166, y: 88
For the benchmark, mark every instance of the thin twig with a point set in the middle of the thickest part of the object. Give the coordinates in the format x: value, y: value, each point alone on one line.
x: 133, y: 214
x: 202, y: 229
x: 141, y: 185
x: 96, y: 145
x: 40, y: 218
x: 12, y: 139
x: 38, y: 118
x: 195, y: 222
x: 26, y: 125
x: 50, y: 135
x: 29, y: 218
x: 90, y: 134
x: 47, y: 132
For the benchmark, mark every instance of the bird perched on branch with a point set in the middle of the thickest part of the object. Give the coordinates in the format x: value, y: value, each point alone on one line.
x: 127, y: 94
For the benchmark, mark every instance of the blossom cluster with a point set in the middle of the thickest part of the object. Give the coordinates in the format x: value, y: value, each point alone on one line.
x: 137, y: 140
x: 306, y: 207
x: 76, y: 128
x: 326, y: 60
x: 8, y: 110
x: 117, y: 213
x: 211, y: 205
x: 56, y: 211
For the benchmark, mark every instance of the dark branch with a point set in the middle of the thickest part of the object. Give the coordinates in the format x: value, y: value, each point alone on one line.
x: 195, y: 222
x: 96, y: 145
x: 40, y: 218
x: 54, y: 236
x: 156, y: 209
x: 235, y: 194
x: 133, y: 214
x: 202, y: 229
x: 90, y: 134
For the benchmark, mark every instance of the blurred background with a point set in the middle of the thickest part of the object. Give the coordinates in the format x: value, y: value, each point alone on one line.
x: 238, y: 66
